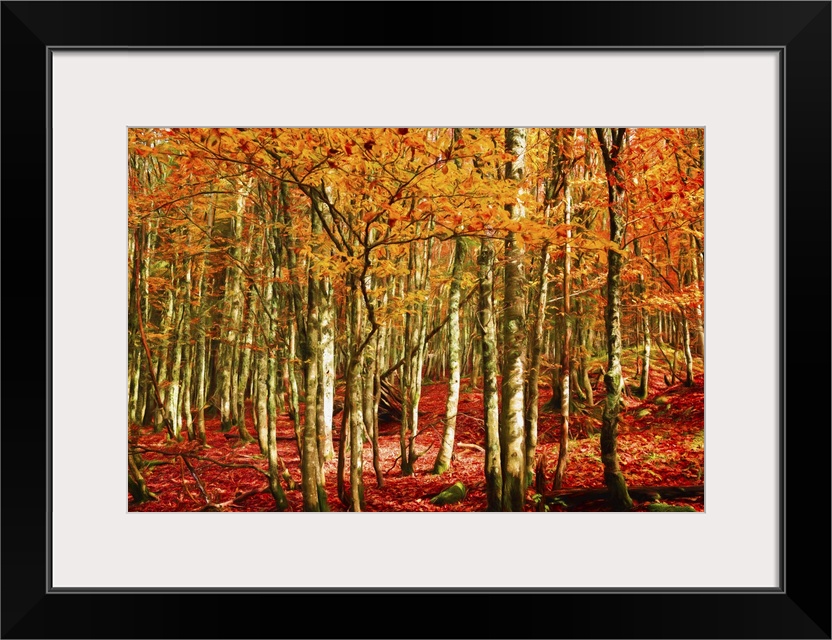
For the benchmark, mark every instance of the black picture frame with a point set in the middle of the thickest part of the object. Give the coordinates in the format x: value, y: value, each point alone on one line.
x: 800, y: 608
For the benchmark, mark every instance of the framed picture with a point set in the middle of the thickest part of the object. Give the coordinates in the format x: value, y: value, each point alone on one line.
x: 755, y: 75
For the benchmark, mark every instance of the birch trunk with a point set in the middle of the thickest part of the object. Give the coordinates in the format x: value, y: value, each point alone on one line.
x: 414, y: 348
x: 512, y: 419
x: 688, y: 354
x: 443, y: 458
x: 487, y: 325
x: 356, y: 422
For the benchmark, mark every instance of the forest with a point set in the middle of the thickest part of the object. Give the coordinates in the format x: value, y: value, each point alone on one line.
x: 415, y: 319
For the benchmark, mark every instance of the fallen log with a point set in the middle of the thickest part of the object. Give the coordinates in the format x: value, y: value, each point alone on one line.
x: 223, y: 506
x: 575, y: 497
x: 465, y: 445
x: 450, y: 495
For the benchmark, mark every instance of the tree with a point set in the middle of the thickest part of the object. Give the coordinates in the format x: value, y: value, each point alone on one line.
x: 613, y: 378
x: 491, y: 412
x: 512, y: 419
x: 443, y: 458
x: 566, y: 362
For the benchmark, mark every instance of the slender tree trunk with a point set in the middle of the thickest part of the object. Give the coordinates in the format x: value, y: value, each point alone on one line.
x: 225, y: 357
x: 261, y: 407
x: 491, y: 411
x: 446, y: 449
x: 314, y: 494
x: 688, y: 354
x: 566, y: 362
x: 697, y: 266
x: 380, y: 340
x: 327, y: 316
x: 133, y: 353
x: 187, y: 377
x: 245, y: 371
x: 176, y: 367
x: 233, y: 311
x: 263, y: 343
x: 644, y: 384
x: 512, y: 420
x: 167, y: 325
x: 297, y: 321
x: 327, y: 320
x: 276, y: 490
x: 292, y: 376
x: 368, y: 367
x: 414, y: 354
x: 343, y: 443
x: 535, y: 349
x: 613, y: 379
x: 200, y: 358
x: 583, y: 325
x: 274, y: 401
x: 356, y: 424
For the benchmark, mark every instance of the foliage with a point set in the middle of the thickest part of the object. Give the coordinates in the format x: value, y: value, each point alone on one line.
x: 231, y: 229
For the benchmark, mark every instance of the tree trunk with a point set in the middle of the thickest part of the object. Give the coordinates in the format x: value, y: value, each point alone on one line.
x: 175, y: 389
x: 326, y: 312
x: 512, y: 420
x: 292, y: 376
x: 274, y: 467
x: 491, y: 412
x: 201, y: 356
x: 378, y: 364
x: 414, y: 339
x: 233, y: 312
x: 613, y: 379
x: 136, y: 484
x: 535, y: 348
x: 327, y: 316
x: 245, y: 371
x: 261, y: 363
x: 443, y: 458
x: 356, y: 424
x: 314, y: 497
x: 566, y: 362
x: 583, y: 330
x: 644, y: 384
x: 688, y: 354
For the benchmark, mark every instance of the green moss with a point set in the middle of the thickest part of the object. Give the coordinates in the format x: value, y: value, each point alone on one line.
x: 661, y: 506
x: 698, y: 441
x: 453, y: 494
x: 322, y: 503
x: 439, y: 468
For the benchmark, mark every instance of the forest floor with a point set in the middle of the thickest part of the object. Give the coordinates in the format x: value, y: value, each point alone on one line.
x: 660, y: 442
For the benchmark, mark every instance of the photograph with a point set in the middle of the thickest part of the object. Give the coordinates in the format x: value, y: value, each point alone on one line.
x: 443, y: 319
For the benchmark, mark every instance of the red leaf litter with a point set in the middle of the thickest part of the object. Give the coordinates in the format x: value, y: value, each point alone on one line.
x: 659, y: 443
